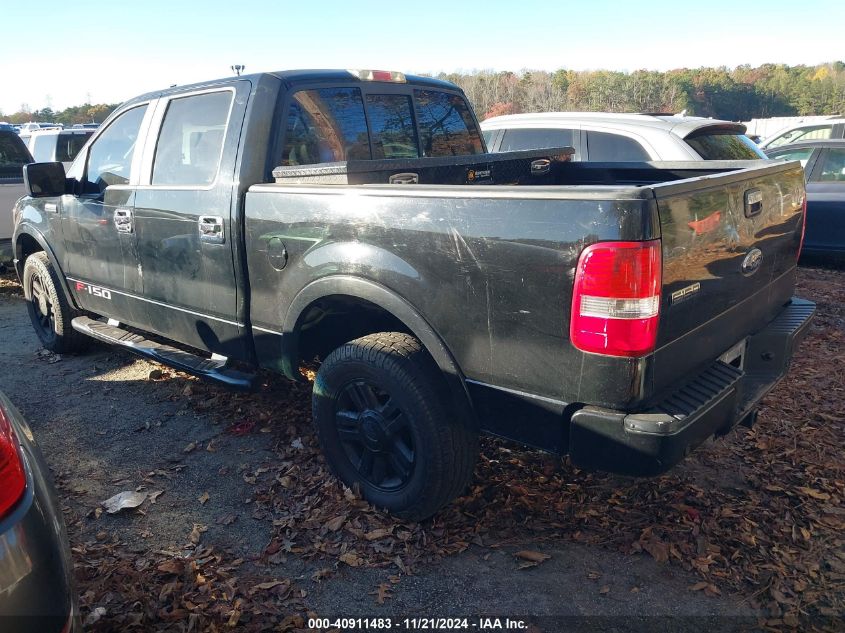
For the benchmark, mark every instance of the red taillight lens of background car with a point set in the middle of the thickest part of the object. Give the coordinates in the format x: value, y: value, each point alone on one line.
x: 12, y: 476
x: 616, y: 299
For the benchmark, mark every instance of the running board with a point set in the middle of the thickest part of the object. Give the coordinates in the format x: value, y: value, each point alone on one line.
x: 214, y: 368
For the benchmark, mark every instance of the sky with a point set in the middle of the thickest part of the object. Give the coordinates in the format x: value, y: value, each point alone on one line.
x: 61, y: 53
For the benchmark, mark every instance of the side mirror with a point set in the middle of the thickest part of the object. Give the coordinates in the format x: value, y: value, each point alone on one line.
x: 44, y: 180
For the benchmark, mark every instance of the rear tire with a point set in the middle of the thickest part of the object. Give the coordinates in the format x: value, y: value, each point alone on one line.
x: 49, y: 310
x: 383, y: 416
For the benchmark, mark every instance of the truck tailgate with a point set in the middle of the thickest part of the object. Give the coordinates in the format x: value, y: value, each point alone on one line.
x: 730, y: 246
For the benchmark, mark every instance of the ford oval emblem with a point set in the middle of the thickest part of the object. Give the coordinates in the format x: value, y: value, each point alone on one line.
x: 752, y: 261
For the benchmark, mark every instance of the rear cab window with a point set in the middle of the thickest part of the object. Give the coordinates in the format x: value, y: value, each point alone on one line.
x: 324, y: 126
x: 68, y: 145
x: 376, y: 121
x: 721, y: 145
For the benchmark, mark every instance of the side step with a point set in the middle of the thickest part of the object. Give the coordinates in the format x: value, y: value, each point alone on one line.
x: 214, y: 368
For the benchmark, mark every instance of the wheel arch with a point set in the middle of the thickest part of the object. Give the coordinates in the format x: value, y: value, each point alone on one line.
x: 390, y: 303
x: 28, y: 241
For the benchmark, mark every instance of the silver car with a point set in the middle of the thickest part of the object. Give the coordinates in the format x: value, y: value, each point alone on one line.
x: 36, y: 588
x: 611, y: 137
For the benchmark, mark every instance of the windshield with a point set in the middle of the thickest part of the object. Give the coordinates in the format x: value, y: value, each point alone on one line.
x: 716, y: 145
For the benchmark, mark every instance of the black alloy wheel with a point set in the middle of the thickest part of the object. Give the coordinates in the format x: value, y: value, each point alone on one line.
x: 375, y: 434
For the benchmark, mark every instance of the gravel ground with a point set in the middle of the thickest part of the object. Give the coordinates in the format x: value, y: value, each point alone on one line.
x: 105, y: 426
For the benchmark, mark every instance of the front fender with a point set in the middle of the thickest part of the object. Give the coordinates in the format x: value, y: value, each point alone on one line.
x: 21, y: 253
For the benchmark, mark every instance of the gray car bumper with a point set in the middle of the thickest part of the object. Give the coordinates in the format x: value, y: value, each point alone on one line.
x: 36, y: 587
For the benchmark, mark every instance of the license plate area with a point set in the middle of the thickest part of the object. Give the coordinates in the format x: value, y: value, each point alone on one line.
x: 735, y: 356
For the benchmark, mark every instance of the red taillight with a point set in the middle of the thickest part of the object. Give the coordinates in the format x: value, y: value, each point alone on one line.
x: 616, y: 300
x: 803, y: 226
x: 12, y: 477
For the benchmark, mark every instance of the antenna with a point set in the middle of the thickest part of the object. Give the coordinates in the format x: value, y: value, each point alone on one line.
x: 237, y: 69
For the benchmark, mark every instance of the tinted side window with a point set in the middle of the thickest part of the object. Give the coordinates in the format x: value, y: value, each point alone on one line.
x: 725, y: 147
x: 802, y: 134
x: 13, y: 155
x: 191, y: 139
x: 832, y: 168
x: 518, y: 139
x: 68, y: 146
x: 392, y: 127
x: 797, y: 154
x: 604, y: 147
x: 42, y: 147
x: 446, y: 125
x: 110, y: 157
x: 324, y: 126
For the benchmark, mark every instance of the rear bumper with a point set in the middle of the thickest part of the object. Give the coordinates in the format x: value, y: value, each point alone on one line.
x: 650, y: 442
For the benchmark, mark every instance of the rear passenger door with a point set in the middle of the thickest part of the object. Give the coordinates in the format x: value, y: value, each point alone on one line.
x: 826, y: 202
x: 183, y: 218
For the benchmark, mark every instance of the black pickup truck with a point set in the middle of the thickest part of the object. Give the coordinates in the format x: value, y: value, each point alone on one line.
x: 619, y: 312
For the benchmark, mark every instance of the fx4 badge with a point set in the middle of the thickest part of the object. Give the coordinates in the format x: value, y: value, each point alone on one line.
x: 93, y: 290
x: 752, y: 261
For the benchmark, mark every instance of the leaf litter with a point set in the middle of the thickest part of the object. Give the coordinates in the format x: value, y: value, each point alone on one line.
x: 758, y: 513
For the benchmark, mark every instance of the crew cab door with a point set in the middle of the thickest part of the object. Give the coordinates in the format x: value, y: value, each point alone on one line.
x: 183, y: 218
x: 825, y: 230
x: 101, y: 258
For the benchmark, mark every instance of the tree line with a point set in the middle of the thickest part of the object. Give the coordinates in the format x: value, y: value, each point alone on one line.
x: 86, y: 113
x: 738, y: 94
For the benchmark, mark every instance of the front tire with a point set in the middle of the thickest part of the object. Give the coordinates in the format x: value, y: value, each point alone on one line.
x: 381, y: 408
x: 48, y: 308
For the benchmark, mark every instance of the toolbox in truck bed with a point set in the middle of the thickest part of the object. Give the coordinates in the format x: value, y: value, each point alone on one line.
x: 523, y: 167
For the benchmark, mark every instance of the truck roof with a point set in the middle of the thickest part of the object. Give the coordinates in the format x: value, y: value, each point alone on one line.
x: 292, y: 77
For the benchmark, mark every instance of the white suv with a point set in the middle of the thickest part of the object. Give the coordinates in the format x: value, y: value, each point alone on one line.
x: 611, y: 137
x: 57, y: 145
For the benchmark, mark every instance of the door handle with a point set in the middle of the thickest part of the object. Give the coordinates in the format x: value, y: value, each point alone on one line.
x: 123, y: 220
x: 211, y: 229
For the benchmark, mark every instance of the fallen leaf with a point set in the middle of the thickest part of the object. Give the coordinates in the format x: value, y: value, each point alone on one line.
x: 204, y: 498
x: 377, y: 534
x: 125, y: 500
x: 190, y: 447
x: 815, y: 494
x: 604, y: 590
x: 698, y: 586
x: 350, y: 558
x: 382, y: 593
x: 272, y: 584
x: 336, y: 523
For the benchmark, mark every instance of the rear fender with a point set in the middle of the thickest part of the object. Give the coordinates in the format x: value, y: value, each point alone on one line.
x: 388, y: 301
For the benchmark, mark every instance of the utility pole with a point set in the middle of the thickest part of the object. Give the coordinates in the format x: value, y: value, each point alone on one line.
x: 238, y: 69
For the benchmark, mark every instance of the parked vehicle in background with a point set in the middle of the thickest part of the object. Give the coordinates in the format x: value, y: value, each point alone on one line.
x: 622, y: 313
x: 13, y: 156
x: 610, y: 137
x: 833, y: 128
x: 57, y: 145
x: 824, y: 169
x: 36, y: 571
x: 89, y: 126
